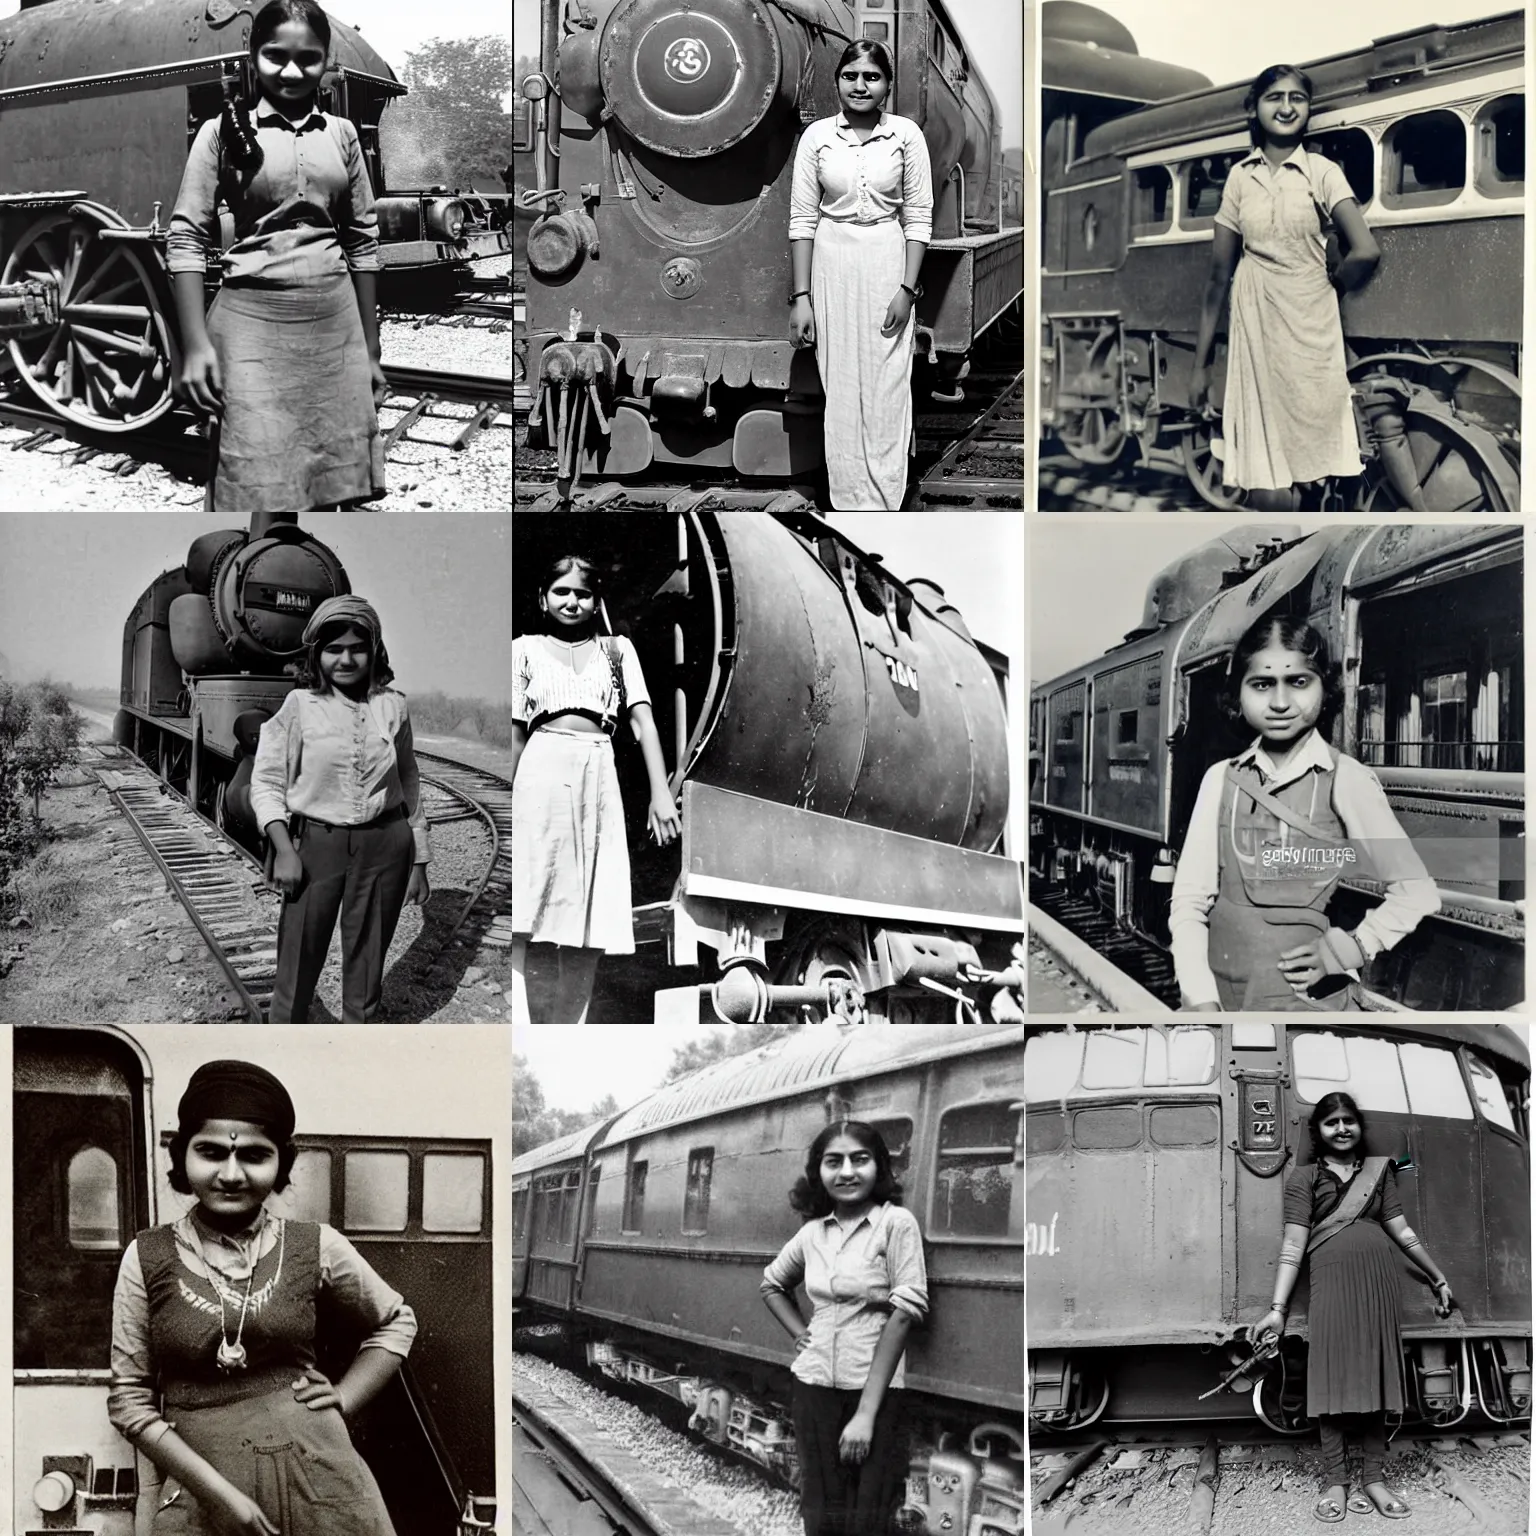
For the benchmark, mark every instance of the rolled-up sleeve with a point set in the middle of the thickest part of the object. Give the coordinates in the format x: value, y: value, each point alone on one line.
x: 194, y: 226
x: 1409, y: 894
x: 359, y: 1292
x: 787, y: 1271
x: 269, y: 775
x: 133, y: 1401
x: 909, y: 1274
x: 1196, y: 881
x: 359, y: 232
x: 805, y: 187
x: 410, y: 785
x: 916, y: 187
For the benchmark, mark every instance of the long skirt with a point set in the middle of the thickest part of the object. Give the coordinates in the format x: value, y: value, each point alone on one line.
x: 298, y: 1464
x: 570, y: 854
x: 838, y: 1498
x: 866, y: 377
x: 298, y: 430
x: 1354, y: 1319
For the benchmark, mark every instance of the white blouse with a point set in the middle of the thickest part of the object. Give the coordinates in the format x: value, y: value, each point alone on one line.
x: 544, y: 683
x: 886, y: 177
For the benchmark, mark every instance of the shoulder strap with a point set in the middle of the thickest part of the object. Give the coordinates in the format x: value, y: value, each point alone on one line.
x: 1355, y: 1200
x: 610, y: 645
x: 1278, y: 808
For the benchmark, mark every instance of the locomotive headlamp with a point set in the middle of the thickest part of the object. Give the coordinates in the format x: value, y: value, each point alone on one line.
x: 446, y: 218
x: 54, y: 1492
x: 534, y: 88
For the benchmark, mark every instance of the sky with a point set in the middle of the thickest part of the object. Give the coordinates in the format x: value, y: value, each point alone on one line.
x: 993, y: 29
x: 577, y: 1066
x: 442, y: 584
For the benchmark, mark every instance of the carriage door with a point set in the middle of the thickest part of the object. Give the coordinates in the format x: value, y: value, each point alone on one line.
x: 1064, y: 718
x: 1253, y: 1101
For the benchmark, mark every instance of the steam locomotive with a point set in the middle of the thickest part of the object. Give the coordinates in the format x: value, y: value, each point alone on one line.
x: 1428, y: 127
x: 837, y: 742
x: 1427, y: 622
x: 98, y: 107
x: 657, y: 269
x: 646, y: 1235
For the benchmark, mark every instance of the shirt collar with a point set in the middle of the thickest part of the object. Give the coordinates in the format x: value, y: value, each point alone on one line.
x: 1297, y: 157
x: 872, y: 1216
x: 1314, y: 754
x: 235, y: 1240
x: 267, y: 113
x: 882, y: 127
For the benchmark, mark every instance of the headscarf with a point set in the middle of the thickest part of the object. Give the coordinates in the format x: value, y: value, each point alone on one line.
x: 236, y: 1090
x: 349, y: 609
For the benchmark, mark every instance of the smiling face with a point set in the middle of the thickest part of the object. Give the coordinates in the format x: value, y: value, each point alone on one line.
x: 848, y: 1173
x: 289, y: 65
x: 1340, y: 1133
x: 232, y: 1167
x: 570, y: 601
x: 862, y: 87
x: 1283, y: 110
x: 346, y: 659
x: 1282, y: 695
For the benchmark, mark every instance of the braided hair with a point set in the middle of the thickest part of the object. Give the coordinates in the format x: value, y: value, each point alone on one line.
x: 237, y: 133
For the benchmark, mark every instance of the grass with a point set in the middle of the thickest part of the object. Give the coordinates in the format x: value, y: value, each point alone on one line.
x: 45, y: 890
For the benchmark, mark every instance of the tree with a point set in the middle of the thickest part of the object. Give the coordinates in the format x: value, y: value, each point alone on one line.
x: 722, y: 1043
x: 534, y: 1122
x: 49, y: 741
x: 455, y: 127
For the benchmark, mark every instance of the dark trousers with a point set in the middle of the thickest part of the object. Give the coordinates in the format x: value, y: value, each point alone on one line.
x: 360, y: 873
x: 1370, y: 1429
x: 838, y: 1499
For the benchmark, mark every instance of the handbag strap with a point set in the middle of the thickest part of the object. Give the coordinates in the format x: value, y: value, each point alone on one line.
x: 1355, y: 1200
x: 1279, y: 809
x: 616, y: 667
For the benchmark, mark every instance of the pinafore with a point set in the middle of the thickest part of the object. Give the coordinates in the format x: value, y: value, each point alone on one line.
x: 297, y: 1463
x: 1262, y: 910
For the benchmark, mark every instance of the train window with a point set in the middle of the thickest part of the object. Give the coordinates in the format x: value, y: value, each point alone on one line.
x: 1490, y: 1093
x: 519, y: 1214
x: 1114, y: 1058
x: 1253, y: 1036
x: 1151, y: 201
x: 1051, y: 1064
x: 1110, y: 1129
x: 95, y: 1210
x: 1354, y: 152
x: 1182, y: 1058
x: 634, y: 1197
x: 701, y: 1165
x: 1434, y: 1083
x: 1204, y: 181
x: 973, y: 1185
x: 1500, y: 147
x: 594, y: 1173
x: 452, y: 1191
x: 879, y: 30
x: 570, y: 1198
x: 308, y: 1196
x: 897, y: 1136
x: 1366, y: 1069
x: 1425, y: 160
x: 1184, y: 1125
x: 1443, y: 720
x: 1066, y: 727
x: 1373, y: 723
x: 1126, y: 727
x: 376, y: 1191
x: 936, y: 44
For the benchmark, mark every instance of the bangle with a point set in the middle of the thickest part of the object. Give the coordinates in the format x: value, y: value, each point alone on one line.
x: 916, y: 293
x: 800, y: 293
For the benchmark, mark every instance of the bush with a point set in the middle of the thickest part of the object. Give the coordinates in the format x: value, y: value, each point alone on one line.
x: 39, y: 733
x: 441, y: 715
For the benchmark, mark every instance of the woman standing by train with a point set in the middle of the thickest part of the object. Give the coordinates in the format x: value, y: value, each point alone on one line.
x: 287, y: 358
x: 1288, y: 421
x: 214, y: 1333
x: 860, y: 219
x: 571, y: 686
x: 860, y: 1257
x: 1343, y: 1214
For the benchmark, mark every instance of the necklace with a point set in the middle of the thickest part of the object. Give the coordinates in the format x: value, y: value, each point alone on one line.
x: 231, y: 1355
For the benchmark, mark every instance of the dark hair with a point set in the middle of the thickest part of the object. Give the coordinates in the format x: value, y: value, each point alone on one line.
x: 1261, y: 83
x: 1324, y: 1107
x: 380, y: 673
x: 1293, y: 635
x: 809, y: 1196
x: 563, y: 566
x: 176, y: 1148
x: 868, y: 48
x: 235, y: 128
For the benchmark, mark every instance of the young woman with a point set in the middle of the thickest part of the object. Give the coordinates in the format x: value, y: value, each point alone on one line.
x: 1354, y: 1357
x: 860, y: 1257
x: 1273, y: 831
x: 287, y: 358
x: 338, y: 759
x: 214, y: 1333
x: 1288, y: 421
x: 571, y: 687
x: 860, y: 219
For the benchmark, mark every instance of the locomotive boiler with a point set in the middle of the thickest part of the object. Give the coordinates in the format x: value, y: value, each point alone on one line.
x: 1426, y: 623
x: 1156, y: 1159
x: 659, y: 263
x: 98, y: 107
x: 646, y: 1236
x: 1428, y: 127
x: 837, y: 742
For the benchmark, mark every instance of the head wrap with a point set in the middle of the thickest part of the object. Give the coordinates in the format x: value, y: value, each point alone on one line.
x: 349, y: 609
x: 236, y: 1090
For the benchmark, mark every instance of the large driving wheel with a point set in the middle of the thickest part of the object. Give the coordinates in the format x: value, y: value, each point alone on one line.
x: 1204, y: 468
x: 1092, y: 436
x: 1460, y: 469
x: 109, y: 362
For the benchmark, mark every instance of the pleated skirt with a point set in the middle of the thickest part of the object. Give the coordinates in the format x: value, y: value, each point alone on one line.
x: 298, y: 430
x: 570, y: 853
x: 866, y: 377
x: 1354, y: 1359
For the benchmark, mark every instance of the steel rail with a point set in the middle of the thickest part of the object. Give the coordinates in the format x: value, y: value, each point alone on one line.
x: 622, y: 1510
x: 471, y: 387
x: 473, y: 785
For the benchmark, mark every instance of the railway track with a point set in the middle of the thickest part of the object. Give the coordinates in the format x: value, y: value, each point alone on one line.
x: 984, y: 465
x: 1104, y: 958
x: 486, y: 917
x: 1068, y: 486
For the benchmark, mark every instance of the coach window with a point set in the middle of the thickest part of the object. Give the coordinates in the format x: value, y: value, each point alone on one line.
x: 1151, y: 201
x: 1490, y: 1094
x: 1373, y: 723
x: 634, y: 1197
x: 701, y: 1164
x: 594, y: 1173
x: 519, y: 1214
x: 376, y: 1191
x: 1424, y: 160
x: 1204, y: 181
x: 1364, y: 1068
x: 1052, y: 1061
x: 1443, y: 718
x: 95, y: 1214
x: 1253, y: 1036
x: 309, y: 1189
x: 1126, y: 727
x: 570, y: 1198
x: 1434, y: 1085
x: 973, y: 1184
x: 452, y: 1191
x: 1498, y: 154
x: 1354, y: 152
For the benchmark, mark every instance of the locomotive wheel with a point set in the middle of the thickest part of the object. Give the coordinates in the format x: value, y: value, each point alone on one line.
x: 1093, y: 436
x: 109, y: 363
x: 1204, y: 468
x: 1456, y: 473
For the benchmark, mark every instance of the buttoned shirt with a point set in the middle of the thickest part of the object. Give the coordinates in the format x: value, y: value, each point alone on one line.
x: 306, y: 213
x: 855, y: 1279
x: 1360, y: 803
x: 886, y: 177
x: 226, y: 1262
x: 340, y: 761
x: 1281, y: 210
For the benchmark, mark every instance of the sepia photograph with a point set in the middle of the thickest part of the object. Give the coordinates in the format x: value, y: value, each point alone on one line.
x: 1278, y: 1273
x: 771, y: 1278
x: 261, y: 1281
x: 1282, y: 262
x: 1277, y: 769
x: 772, y: 254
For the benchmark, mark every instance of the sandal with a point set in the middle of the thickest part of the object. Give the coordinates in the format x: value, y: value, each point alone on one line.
x: 1393, y: 1509
x: 1328, y: 1510
x: 1360, y: 1503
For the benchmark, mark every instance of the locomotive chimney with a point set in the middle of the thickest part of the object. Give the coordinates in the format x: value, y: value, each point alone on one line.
x: 264, y: 522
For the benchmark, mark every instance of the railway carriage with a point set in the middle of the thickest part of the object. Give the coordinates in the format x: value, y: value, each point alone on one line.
x: 1428, y: 127
x: 647, y: 1236
x: 1156, y: 1162
x: 1427, y: 623
x: 411, y: 1185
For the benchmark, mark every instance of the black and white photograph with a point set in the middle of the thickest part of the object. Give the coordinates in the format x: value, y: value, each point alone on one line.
x: 1279, y: 1275
x: 255, y: 257
x: 769, y: 1279
x: 361, y: 1177
x: 767, y: 767
x: 1282, y: 259
x: 771, y: 254
x: 258, y: 774
x: 1276, y: 768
